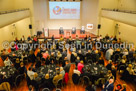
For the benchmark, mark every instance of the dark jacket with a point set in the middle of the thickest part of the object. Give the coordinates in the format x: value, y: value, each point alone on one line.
x: 108, y: 88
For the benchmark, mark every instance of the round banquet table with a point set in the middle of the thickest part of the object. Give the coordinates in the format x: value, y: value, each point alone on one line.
x: 50, y: 69
x: 9, y: 74
x: 7, y: 71
x: 95, y: 70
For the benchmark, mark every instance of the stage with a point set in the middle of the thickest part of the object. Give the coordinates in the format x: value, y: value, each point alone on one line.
x: 67, y: 33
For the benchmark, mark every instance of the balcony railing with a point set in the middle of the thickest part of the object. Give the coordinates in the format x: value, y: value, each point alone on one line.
x: 13, y: 11
x: 118, y: 10
x: 11, y: 16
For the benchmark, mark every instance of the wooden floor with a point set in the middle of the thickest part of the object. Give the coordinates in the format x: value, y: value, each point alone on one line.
x: 71, y: 86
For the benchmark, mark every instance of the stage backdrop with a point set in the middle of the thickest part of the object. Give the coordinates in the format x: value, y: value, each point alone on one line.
x: 88, y: 15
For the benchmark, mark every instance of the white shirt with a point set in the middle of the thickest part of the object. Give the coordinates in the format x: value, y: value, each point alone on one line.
x: 63, y: 73
x: 125, y: 53
x: 111, y: 51
x: 30, y: 74
x: 7, y: 62
x: 77, y: 72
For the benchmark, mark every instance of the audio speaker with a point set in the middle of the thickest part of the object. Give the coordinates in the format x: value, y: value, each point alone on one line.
x: 30, y: 26
x: 99, y: 26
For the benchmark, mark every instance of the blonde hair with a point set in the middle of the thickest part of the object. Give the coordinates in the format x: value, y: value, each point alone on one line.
x: 130, y: 65
x: 61, y: 68
x: 21, y: 63
x: 46, y: 51
x: 78, y: 57
x: 96, y: 51
x: 117, y: 49
x: 47, y: 76
x: 125, y: 50
x: 113, y: 67
x: 124, y: 85
x: 81, y: 61
x: 110, y: 61
x: 123, y: 61
x: 35, y: 75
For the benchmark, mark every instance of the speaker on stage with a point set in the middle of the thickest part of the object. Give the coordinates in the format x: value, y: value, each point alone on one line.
x: 82, y: 31
x: 30, y: 26
x: 99, y: 26
x: 61, y: 31
x: 39, y: 33
x: 74, y: 30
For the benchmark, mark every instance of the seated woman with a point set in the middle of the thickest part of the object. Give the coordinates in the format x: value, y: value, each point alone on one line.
x: 130, y: 69
x: 73, y: 56
x: 125, y: 52
x: 36, y: 81
x: 76, y: 71
x: 62, y: 71
x: 109, y: 65
x: 5, y: 86
x: 80, y: 66
x: 57, y: 78
x: 17, y: 63
x: 59, y: 55
x: 131, y: 72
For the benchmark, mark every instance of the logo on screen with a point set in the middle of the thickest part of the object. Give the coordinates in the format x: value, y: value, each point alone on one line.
x: 57, y: 10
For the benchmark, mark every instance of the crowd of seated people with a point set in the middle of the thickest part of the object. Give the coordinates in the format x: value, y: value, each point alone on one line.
x: 119, y: 59
x: 56, y: 54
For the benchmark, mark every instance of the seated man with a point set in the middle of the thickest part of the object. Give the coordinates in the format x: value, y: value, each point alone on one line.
x: 88, y: 55
x: 80, y: 55
x: 30, y: 73
x: 77, y: 61
x: 67, y: 67
x: 73, y: 56
x: 109, y: 65
x: 80, y: 66
x: 109, y: 85
x: 22, y: 69
x: 29, y: 38
x: 7, y: 62
x: 101, y: 61
x: 57, y: 78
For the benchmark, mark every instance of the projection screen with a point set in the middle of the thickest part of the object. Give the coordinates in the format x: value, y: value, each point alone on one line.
x: 64, y: 10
